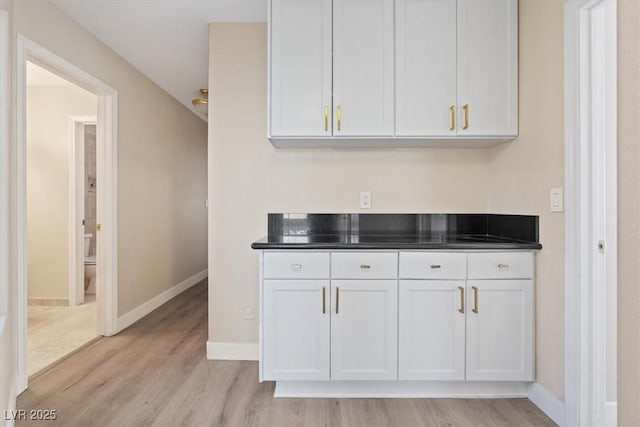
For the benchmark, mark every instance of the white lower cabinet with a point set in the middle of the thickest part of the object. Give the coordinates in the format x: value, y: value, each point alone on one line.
x: 341, y: 316
x: 364, y: 329
x: 295, y: 318
x: 500, y: 330
x: 431, y: 330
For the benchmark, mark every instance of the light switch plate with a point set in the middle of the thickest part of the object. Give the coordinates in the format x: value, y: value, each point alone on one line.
x: 365, y: 200
x: 556, y: 200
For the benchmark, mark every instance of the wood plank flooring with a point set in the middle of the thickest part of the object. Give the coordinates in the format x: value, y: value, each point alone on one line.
x: 155, y: 373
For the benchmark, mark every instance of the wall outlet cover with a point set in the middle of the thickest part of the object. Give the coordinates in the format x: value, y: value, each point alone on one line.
x: 365, y: 200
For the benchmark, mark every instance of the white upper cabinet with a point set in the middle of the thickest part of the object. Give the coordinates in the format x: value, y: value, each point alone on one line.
x: 487, y: 68
x: 363, y: 68
x: 393, y: 73
x: 300, y: 68
x: 425, y: 67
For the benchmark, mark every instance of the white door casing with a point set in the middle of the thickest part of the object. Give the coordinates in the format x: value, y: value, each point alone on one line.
x: 107, y: 207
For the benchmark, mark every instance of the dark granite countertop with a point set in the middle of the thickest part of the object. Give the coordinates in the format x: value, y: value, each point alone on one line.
x: 401, y: 231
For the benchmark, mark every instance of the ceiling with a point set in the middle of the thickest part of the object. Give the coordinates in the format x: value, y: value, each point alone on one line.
x: 167, y: 40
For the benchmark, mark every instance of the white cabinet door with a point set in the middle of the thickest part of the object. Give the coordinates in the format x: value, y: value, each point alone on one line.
x: 300, y: 74
x: 296, y: 330
x: 500, y: 330
x: 487, y: 67
x: 425, y: 67
x: 432, y: 330
x: 364, y: 329
x: 363, y: 68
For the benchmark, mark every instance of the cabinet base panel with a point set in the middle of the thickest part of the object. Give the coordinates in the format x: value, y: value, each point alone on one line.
x: 401, y: 389
x: 388, y: 143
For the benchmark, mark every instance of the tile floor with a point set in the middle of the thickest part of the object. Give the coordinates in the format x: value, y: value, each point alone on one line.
x: 54, y: 332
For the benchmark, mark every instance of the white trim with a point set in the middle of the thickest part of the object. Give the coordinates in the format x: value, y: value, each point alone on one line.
x: 401, y: 389
x: 232, y: 350
x: 588, y: 120
x: 107, y: 287
x: 4, y: 164
x: 11, y: 403
x: 547, y: 403
x: 611, y: 414
x: 76, y: 206
x: 142, y: 310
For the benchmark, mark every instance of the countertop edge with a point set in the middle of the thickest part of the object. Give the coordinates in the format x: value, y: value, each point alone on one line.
x: 391, y: 246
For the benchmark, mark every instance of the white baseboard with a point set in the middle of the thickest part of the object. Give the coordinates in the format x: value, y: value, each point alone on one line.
x: 548, y: 403
x: 401, y: 389
x: 611, y: 414
x: 142, y: 310
x: 232, y: 350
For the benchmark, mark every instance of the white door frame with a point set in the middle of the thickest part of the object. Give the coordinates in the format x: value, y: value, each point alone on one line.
x: 591, y: 209
x: 76, y: 206
x: 107, y: 200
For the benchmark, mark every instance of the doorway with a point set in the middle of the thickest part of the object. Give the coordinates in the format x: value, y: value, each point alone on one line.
x: 106, y: 198
x: 60, y: 321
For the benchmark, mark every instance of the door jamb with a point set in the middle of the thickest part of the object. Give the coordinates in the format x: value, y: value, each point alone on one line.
x: 107, y: 200
x: 585, y: 297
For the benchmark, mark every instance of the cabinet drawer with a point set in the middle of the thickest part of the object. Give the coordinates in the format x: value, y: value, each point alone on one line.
x: 364, y: 265
x: 501, y: 265
x: 433, y: 265
x: 296, y: 265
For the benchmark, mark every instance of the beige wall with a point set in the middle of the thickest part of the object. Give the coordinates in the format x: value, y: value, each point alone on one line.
x: 523, y: 172
x: 628, y: 213
x: 249, y: 178
x: 48, y: 169
x: 161, y: 161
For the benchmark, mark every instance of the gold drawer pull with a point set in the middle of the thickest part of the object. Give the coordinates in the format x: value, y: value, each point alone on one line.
x: 453, y: 117
x: 324, y: 300
x: 503, y: 266
x: 475, y: 299
x: 339, y: 111
x: 465, y: 107
x: 365, y: 266
x: 461, y: 309
x: 296, y: 266
x: 326, y: 118
x: 435, y: 266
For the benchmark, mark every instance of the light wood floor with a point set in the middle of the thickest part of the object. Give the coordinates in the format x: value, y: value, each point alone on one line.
x: 156, y: 373
x: 55, y: 331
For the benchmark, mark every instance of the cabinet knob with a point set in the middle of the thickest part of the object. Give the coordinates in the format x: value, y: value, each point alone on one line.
x: 435, y: 266
x: 503, y: 266
x: 365, y: 266
x: 296, y: 266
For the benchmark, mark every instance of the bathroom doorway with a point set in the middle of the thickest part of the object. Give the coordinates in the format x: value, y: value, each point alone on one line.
x: 61, y: 167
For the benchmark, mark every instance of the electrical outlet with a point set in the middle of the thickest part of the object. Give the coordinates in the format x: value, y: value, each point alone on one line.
x: 249, y: 312
x: 365, y: 200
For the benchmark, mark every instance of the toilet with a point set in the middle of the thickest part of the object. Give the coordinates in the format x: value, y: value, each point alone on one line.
x: 89, y: 264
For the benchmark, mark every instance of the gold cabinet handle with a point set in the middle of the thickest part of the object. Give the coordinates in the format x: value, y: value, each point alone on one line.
x: 435, y: 266
x: 453, y: 117
x: 337, y: 299
x: 465, y: 107
x: 326, y: 118
x: 475, y: 299
x: 365, y: 266
x: 339, y: 111
x: 503, y: 266
x: 324, y: 300
x: 296, y: 266
x: 98, y: 227
x: 461, y: 309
